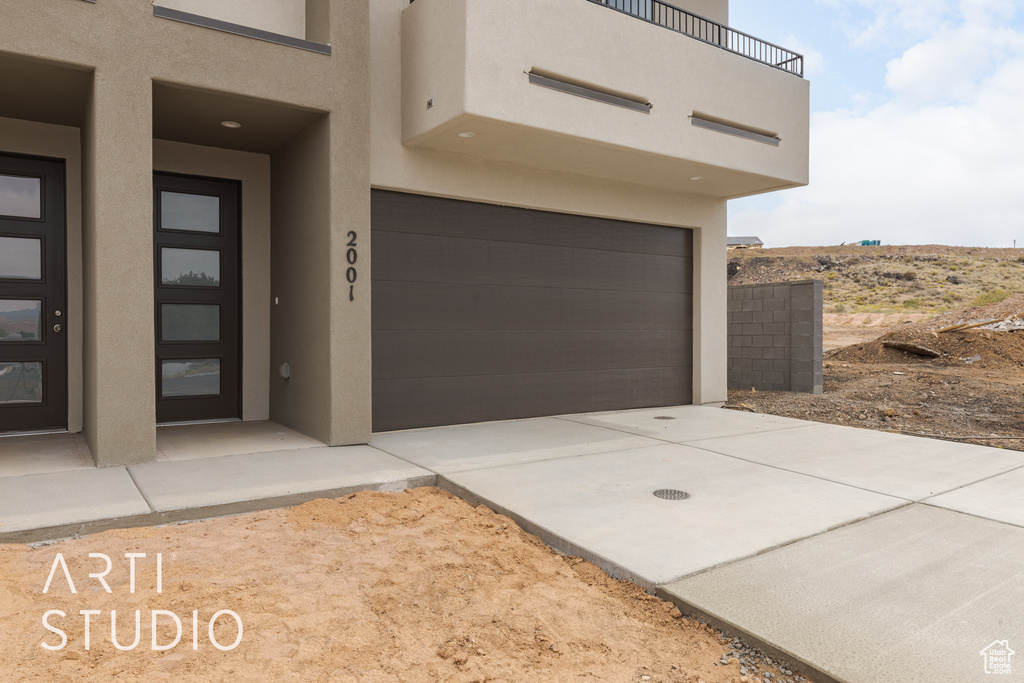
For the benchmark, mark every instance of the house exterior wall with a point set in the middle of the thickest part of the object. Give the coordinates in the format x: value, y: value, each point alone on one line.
x: 306, y: 196
x: 464, y: 58
x: 287, y: 17
x: 124, y: 51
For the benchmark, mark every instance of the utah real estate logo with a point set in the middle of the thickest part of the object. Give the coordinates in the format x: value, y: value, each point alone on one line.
x: 997, y: 657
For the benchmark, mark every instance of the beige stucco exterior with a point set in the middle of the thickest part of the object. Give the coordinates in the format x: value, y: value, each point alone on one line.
x: 119, y: 93
x: 471, y: 60
x: 287, y: 17
x: 120, y: 55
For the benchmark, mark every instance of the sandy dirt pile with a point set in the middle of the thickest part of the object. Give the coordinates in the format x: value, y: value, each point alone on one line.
x: 413, y: 586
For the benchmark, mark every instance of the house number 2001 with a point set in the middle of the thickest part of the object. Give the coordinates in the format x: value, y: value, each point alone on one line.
x: 351, y: 256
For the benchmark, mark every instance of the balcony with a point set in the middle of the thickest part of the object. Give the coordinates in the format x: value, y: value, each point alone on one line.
x: 711, y: 32
x: 630, y: 90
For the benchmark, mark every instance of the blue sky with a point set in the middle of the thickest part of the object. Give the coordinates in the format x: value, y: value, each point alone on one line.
x: 917, y: 122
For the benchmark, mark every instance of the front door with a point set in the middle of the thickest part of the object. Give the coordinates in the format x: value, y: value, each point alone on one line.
x: 196, y: 250
x: 33, y: 314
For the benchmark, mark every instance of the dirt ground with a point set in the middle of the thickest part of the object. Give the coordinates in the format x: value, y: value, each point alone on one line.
x: 412, y: 586
x: 973, y: 391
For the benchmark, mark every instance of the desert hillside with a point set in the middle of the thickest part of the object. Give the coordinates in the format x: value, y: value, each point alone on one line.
x: 923, y: 279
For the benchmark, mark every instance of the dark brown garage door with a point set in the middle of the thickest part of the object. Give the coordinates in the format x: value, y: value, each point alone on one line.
x: 484, y: 312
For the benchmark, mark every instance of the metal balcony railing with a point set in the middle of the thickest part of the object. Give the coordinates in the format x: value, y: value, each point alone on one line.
x: 710, y: 32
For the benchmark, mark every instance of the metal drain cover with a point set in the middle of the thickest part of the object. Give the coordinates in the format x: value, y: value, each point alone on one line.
x: 671, y: 494
x: 663, y: 417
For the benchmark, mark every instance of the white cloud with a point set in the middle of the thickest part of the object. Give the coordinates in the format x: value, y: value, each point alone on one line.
x: 870, y: 23
x: 940, y: 161
x: 950, y: 65
x: 814, y: 60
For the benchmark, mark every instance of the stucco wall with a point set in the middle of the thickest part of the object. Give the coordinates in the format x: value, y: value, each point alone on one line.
x: 123, y: 49
x: 287, y: 17
x: 472, y: 59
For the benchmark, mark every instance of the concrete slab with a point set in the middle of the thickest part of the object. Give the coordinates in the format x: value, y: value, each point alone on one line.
x: 683, y: 424
x: 1000, y: 498
x: 911, y: 595
x: 241, y: 483
x: 215, y: 439
x: 497, y: 444
x: 43, y: 453
x: 65, y: 501
x: 905, y: 466
x: 602, y: 507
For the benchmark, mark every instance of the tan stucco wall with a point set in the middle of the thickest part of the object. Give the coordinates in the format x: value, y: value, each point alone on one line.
x: 127, y: 49
x: 715, y: 10
x: 472, y: 59
x: 60, y: 142
x: 287, y: 17
x: 463, y: 176
x: 326, y: 343
x: 253, y: 171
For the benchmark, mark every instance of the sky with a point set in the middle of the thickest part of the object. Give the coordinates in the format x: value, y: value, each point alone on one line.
x: 917, y: 122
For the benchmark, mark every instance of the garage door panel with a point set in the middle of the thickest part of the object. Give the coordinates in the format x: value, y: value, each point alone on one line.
x: 457, y: 260
x: 414, y: 214
x: 409, y: 403
x: 482, y: 312
x: 417, y: 354
x: 428, y: 306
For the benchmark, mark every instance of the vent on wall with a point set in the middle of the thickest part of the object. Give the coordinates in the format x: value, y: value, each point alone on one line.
x: 733, y: 129
x: 589, y: 93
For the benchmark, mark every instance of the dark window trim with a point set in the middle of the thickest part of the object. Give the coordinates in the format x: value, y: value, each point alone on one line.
x: 589, y: 93
x: 238, y: 29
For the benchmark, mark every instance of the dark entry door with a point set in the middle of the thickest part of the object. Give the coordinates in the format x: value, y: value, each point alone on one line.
x: 196, y: 251
x: 33, y: 317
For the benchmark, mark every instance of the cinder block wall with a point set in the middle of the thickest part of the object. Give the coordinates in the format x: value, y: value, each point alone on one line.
x: 775, y: 336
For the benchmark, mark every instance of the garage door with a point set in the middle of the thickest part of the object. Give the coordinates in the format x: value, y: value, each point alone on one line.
x: 484, y: 312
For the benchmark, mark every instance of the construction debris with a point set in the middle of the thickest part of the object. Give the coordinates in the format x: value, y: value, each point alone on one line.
x: 1011, y: 324
x: 969, y: 325
x: 911, y: 347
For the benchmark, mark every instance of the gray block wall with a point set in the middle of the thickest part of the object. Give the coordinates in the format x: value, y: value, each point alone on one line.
x: 775, y: 336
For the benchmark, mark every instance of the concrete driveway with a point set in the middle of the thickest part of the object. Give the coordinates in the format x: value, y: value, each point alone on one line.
x: 858, y: 556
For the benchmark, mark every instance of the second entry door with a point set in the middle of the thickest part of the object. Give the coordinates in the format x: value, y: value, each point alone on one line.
x: 33, y: 321
x: 197, y: 268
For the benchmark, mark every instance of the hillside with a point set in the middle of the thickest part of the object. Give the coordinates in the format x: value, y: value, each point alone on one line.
x: 925, y: 279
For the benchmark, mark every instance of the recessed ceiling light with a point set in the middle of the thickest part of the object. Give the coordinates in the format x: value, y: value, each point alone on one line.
x: 697, y: 177
x: 231, y: 124
x: 466, y: 134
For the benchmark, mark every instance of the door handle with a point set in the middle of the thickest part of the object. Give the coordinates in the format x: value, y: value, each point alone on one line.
x: 57, y: 328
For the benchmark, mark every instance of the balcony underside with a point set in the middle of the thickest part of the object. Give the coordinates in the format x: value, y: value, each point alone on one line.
x: 507, y: 142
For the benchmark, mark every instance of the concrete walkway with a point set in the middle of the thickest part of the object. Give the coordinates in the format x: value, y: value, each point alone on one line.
x: 856, y: 555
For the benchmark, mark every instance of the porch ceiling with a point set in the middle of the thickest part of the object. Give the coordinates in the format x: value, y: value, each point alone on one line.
x: 194, y: 116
